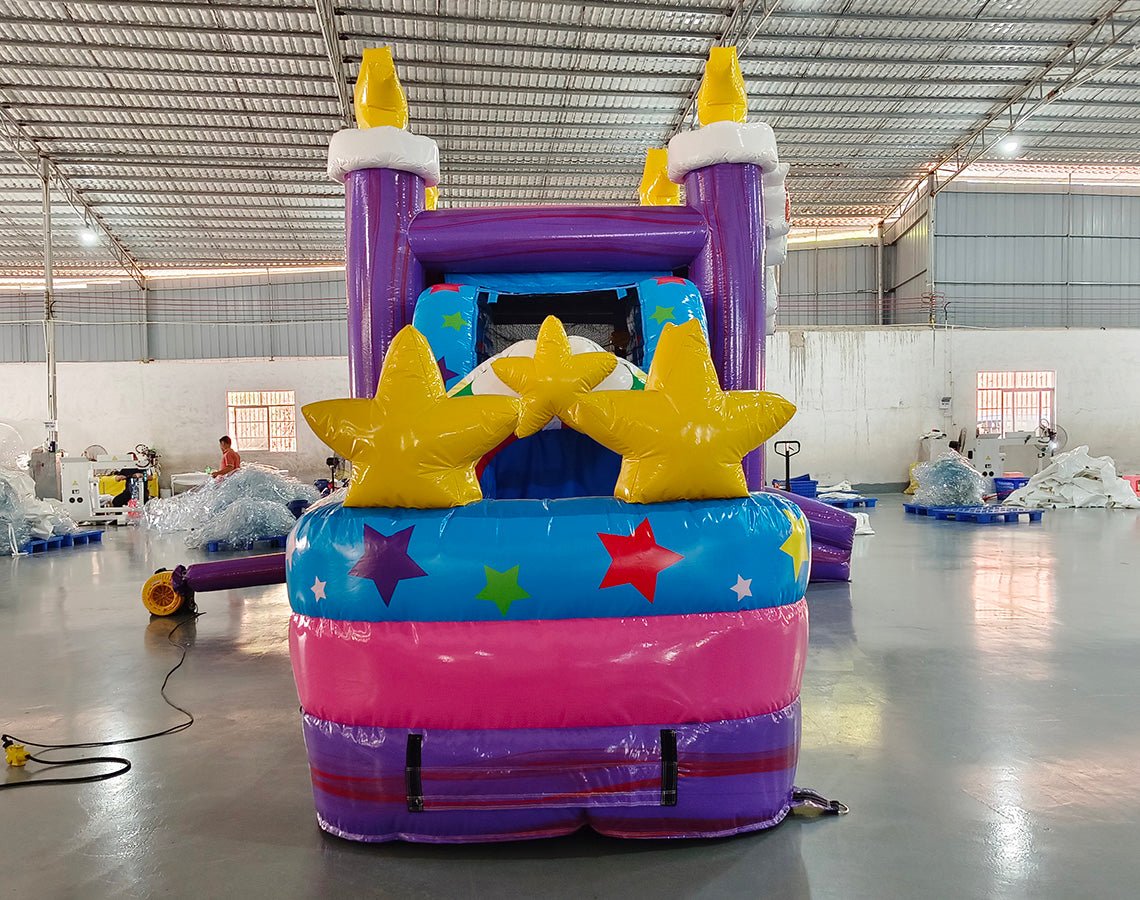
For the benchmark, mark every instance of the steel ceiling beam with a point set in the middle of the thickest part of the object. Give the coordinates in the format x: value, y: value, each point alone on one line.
x: 177, y: 92
x: 530, y: 48
x: 937, y: 94
x: 327, y: 19
x: 714, y: 12
x: 205, y: 6
x: 634, y: 32
x: 1086, y: 58
x: 75, y: 26
x: 591, y: 118
x: 758, y: 103
x: 38, y: 160
x: 211, y: 52
x: 674, y: 55
x: 464, y: 70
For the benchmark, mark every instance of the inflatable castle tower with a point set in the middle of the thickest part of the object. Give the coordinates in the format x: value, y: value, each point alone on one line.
x: 555, y: 595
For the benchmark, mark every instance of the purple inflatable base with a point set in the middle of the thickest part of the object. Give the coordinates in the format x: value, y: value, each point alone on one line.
x: 732, y: 777
x: 832, y: 536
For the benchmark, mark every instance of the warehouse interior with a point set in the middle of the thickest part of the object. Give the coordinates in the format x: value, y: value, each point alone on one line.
x: 916, y: 222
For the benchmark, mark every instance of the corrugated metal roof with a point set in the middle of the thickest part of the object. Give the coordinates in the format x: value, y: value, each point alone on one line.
x: 196, y: 131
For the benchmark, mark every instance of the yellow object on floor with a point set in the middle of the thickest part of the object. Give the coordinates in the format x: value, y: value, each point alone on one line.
x: 913, y: 486
x: 159, y: 596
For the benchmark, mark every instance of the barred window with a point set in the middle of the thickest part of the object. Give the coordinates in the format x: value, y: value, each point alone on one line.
x: 263, y: 420
x: 1015, y: 401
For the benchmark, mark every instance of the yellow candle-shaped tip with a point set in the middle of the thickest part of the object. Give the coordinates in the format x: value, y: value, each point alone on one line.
x: 722, y: 97
x: 379, y: 97
x: 656, y: 188
x: 431, y: 197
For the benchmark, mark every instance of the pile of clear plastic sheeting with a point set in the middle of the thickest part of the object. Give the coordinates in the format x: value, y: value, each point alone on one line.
x: 1076, y: 480
x: 194, y: 509
x: 23, y: 517
x: 242, y: 523
x: 948, y: 480
x: 13, y: 458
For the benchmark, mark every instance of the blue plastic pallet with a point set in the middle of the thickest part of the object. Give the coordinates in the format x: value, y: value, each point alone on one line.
x: 851, y: 502
x: 62, y: 541
x: 983, y: 515
x: 276, y: 543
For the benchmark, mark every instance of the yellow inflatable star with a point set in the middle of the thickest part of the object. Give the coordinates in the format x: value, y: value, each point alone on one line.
x: 682, y: 438
x: 796, y: 546
x: 554, y: 379
x: 411, y: 445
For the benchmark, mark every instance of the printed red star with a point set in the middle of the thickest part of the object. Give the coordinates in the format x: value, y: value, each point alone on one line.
x: 637, y: 559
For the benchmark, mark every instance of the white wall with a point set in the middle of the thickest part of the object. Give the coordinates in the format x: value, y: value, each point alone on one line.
x: 863, y: 398
x: 179, y: 407
x: 865, y: 395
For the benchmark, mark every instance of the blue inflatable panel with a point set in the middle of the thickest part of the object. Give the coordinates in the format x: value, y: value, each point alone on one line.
x: 448, y: 316
x: 667, y: 300
x: 555, y: 463
x: 587, y: 557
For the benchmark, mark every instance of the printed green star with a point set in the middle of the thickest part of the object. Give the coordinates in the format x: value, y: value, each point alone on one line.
x: 454, y: 320
x: 662, y: 314
x: 502, y: 588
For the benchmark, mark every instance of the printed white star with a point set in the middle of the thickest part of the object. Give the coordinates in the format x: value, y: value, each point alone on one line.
x: 318, y: 589
x: 290, y: 549
x: 742, y: 588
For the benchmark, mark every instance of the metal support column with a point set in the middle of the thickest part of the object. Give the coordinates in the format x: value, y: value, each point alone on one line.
x: 879, y: 312
x: 49, y: 312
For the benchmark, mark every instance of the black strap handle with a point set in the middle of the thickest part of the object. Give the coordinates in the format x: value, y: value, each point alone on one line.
x: 413, y: 772
x: 669, y: 768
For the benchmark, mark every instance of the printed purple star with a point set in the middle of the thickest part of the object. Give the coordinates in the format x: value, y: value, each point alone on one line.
x: 444, y: 371
x: 385, y: 561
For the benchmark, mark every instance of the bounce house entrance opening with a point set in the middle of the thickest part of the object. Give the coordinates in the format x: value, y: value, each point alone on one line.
x: 610, y: 318
x: 557, y: 462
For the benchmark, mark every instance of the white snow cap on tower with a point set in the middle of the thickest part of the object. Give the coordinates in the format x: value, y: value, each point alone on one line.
x: 722, y: 142
x: 383, y: 147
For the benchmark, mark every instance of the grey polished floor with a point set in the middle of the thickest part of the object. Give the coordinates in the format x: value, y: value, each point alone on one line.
x: 973, y: 695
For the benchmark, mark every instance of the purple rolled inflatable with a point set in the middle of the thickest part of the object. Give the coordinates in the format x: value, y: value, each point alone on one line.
x: 832, y: 536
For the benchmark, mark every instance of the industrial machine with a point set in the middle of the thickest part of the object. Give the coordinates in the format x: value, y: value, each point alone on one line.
x: 83, y: 479
x: 44, y: 467
x: 1024, y: 452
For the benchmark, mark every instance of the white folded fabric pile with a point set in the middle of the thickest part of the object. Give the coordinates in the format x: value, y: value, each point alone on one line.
x: 1076, y: 480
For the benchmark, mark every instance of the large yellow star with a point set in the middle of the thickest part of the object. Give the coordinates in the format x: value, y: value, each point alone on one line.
x: 682, y: 438
x: 796, y: 546
x: 554, y: 379
x: 411, y: 445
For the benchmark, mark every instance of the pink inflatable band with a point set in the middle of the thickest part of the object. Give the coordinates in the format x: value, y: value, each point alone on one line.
x: 565, y: 673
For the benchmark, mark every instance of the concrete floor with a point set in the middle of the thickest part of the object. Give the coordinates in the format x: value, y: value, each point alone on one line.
x: 973, y: 696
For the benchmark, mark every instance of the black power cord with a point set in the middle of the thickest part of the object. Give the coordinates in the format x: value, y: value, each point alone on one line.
x: 13, y: 745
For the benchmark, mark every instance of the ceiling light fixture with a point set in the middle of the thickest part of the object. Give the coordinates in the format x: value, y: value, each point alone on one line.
x: 1009, y: 146
x: 88, y: 236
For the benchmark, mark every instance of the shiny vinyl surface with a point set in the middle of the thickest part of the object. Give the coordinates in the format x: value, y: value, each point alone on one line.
x: 550, y: 674
x: 512, y: 784
x: 971, y: 695
x: 545, y: 559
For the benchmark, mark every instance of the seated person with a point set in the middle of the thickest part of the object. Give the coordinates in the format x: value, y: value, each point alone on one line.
x: 231, y: 462
x: 125, y: 496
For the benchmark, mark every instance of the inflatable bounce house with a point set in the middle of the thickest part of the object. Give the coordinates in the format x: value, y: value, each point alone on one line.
x: 553, y: 595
